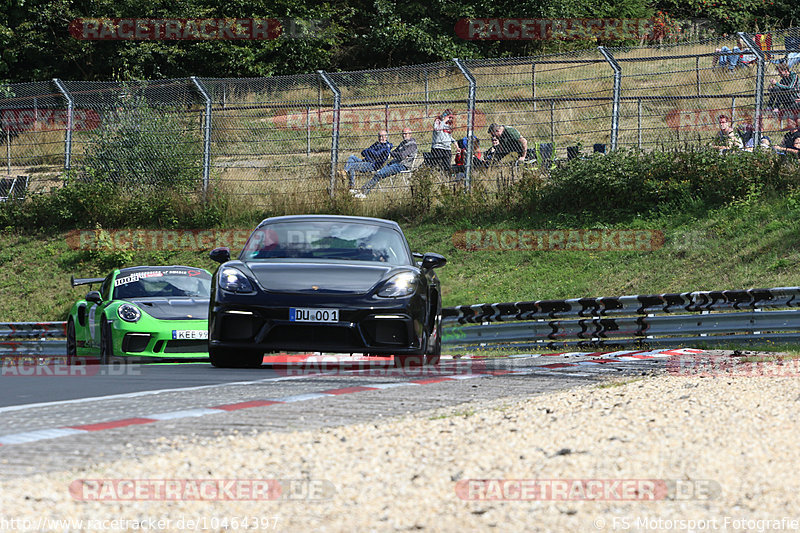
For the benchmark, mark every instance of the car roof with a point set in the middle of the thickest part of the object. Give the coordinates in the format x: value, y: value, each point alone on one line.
x: 340, y: 218
x: 156, y: 267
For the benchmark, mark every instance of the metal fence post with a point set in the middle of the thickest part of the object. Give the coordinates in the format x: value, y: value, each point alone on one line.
x: 206, y: 135
x: 337, y: 102
x: 68, y: 137
x: 470, y: 121
x: 617, y: 91
x: 639, y: 123
x: 308, y: 131
x: 533, y: 84
x: 760, y: 72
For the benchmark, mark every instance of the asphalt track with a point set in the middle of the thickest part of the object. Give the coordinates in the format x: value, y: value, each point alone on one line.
x: 55, y: 420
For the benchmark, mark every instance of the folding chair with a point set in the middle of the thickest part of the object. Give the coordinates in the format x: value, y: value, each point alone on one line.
x: 15, y: 187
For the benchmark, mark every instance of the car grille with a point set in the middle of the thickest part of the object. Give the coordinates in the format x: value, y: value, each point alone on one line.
x: 313, y: 336
x: 186, y: 346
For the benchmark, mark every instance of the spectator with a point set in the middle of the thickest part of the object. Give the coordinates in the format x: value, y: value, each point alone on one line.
x: 794, y: 149
x: 400, y: 159
x: 726, y: 138
x: 764, y: 143
x: 461, y: 155
x: 783, y: 93
x: 792, y: 132
x: 726, y: 57
x: 490, y: 153
x: 442, y: 139
x: 374, y: 158
x: 510, y: 141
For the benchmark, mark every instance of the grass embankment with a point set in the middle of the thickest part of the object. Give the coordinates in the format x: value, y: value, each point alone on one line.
x: 751, y: 242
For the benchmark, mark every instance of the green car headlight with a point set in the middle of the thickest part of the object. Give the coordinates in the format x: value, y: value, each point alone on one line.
x: 129, y: 313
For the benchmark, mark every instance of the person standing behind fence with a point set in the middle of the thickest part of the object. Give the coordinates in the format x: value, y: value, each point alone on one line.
x: 400, y: 159
x: 726, y: 138
x: 783, y: 93
x: 441, y: 152
x: 510, y: 140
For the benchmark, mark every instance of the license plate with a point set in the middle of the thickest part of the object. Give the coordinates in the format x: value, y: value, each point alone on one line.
x: 301, y: 314
x: 190, y: 334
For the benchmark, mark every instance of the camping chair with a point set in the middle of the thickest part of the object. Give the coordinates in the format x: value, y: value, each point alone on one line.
x: 13, y: 188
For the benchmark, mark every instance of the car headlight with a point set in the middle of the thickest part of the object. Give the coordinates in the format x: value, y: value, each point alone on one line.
x: 129, y: 313
x: 233, y: 280
x: 399, y: 285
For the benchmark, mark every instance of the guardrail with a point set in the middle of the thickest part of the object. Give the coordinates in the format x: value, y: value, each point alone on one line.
x: 688, y: 318
x: 33, y: 338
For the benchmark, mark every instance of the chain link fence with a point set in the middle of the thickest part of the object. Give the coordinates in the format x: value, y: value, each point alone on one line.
x: 286, y: 141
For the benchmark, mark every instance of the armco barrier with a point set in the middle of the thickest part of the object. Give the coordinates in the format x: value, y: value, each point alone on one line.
x: 671, y: 319
x: 688, y: 318
x: 33, y: 338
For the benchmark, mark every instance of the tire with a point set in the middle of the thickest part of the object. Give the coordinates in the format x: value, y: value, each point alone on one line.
x: 434, y: 354
x: 72, y: 344
x: 415, y: 359
x: 226, y: 358
x: 106, y: 344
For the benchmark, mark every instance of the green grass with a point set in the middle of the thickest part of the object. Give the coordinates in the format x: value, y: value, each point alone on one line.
x: 751, y: 243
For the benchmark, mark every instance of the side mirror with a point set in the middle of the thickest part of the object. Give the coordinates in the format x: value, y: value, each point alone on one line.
x: 94, y: 297
x: 220, y: 255
x: 431, y: 260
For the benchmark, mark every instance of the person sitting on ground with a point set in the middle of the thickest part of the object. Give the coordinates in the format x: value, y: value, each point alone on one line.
x: 726, y: 138
x: 725, y: 57
x: 442, y: 140
x: 764, y: 143
x: 374, y: 158
x: 791, y: 150
x: 400, y: 159
x: 461, y: 155
x: 510, y: 141
x: 490, y: 153
x: 792, y: 133
x: 783, y: 93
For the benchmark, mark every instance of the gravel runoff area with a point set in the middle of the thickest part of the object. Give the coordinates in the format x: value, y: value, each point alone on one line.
x: 721, y: 453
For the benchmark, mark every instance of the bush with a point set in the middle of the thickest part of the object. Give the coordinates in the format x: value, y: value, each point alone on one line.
x: 626, y: 183
x: 139, y: 146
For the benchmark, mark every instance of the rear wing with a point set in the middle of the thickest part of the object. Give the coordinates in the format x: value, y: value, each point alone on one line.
x: 84, y: 281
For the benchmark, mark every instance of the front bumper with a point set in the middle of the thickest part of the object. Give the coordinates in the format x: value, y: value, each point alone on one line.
x: 382, y: 327
x: 146, y: 343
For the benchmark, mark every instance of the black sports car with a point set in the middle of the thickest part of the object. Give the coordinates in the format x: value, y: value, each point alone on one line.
x: 325, y: 283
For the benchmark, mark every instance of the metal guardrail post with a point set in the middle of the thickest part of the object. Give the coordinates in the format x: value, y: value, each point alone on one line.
x: 760, y: 73
x: 337, y: 103
x: 470, y: 121
x: 617, y: 92
x: 70, y: 123
x: 206, y: 135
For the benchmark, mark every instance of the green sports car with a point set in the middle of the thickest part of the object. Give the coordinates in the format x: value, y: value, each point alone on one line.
x: 142, y: 313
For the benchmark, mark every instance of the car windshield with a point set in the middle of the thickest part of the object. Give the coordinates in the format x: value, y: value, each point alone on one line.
x: 350, y: 241
x: 163, y: 283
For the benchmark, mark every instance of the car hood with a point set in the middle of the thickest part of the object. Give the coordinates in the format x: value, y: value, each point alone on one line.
x: 174, y: 308
x: 319, y: 278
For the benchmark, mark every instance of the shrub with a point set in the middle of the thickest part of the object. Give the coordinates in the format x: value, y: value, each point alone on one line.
x: 140, y: 146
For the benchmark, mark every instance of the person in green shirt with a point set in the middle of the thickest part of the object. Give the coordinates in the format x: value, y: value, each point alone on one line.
x: 510, y: 140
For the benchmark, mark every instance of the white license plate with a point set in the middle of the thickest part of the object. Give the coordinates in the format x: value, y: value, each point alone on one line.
x: 190, y: 334
x: 302, y: 314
